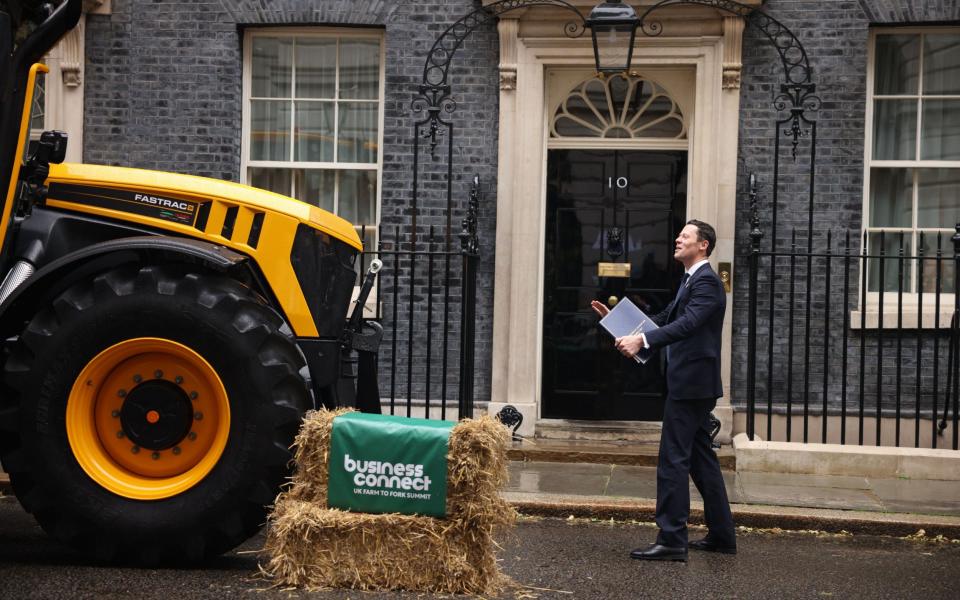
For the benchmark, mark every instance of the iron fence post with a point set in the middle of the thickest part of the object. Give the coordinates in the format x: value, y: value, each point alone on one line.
x: 755, y: 236
x: 955, y: 336
x: 470, y: 250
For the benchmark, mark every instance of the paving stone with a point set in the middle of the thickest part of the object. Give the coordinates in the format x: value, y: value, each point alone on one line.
x: 800, y: 495
x: 925, y: 497
x: 635, y: 482
x: 559, y: 478
x: 824, y: 481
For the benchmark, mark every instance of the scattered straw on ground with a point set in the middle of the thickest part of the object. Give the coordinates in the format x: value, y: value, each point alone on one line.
x: 922, y: 536
x: 315, y: 547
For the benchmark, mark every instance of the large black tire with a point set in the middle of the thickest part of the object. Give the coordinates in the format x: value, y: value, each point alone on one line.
x: 223, y: 321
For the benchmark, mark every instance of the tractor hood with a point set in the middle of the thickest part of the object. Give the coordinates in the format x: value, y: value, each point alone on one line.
x: 201, y: 189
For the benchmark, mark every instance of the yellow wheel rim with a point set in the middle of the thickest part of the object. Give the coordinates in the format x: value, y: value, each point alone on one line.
x: 148, y: 418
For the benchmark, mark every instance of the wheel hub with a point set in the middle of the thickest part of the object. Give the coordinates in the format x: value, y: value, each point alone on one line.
x: 156, y: 415
x: 148, y: 418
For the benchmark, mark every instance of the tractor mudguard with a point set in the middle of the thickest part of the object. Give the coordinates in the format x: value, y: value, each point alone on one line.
x: 62, y: 272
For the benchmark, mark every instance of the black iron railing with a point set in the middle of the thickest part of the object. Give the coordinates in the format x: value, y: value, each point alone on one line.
x: 425, y: 299
x: 857, y: 332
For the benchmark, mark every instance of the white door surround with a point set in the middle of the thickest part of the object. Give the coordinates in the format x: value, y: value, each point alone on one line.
x: 539, y: 65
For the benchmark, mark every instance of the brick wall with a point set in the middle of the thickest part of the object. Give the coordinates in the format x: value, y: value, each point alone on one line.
x: 835, y: 37
x: 474, y: 80
x: 162, y: 88
x: 163, y: 91
x: 910, y: 11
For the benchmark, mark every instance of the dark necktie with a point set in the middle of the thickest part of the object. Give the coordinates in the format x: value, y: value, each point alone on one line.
x: 683, y: 283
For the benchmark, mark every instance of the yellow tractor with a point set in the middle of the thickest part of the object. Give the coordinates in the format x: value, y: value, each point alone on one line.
x: 163, y: 335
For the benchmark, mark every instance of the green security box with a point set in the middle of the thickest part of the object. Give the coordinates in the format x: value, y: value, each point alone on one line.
x: 386, y: 464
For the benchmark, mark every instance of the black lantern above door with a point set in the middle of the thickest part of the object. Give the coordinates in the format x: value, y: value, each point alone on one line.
x: 613, y: 26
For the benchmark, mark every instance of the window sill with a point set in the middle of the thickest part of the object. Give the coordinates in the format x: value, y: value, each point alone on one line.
x: 909, y: 316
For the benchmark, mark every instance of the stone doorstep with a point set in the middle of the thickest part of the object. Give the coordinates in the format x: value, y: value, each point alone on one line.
x: 633, y: 443
x: 835, y: 459
x: 593, y: 452
x: 636, y: 432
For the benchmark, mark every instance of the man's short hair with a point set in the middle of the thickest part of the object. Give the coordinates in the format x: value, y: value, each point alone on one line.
x: 705, y: 231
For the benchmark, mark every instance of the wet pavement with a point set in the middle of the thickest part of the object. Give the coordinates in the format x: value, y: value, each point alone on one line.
x: 587, y: 557
x: 547, y: 558
x: 613, y: 481
x: 617, y: 481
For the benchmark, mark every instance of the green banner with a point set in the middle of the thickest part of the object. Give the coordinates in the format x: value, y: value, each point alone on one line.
x: 385, y: 464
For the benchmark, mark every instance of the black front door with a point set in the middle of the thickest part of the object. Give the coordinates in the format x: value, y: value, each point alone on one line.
x: 624, y: 209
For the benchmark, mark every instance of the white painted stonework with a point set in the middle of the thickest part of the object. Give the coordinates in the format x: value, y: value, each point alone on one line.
x: 64, y: 89
x: 694, y: 61
x: 835, y: 459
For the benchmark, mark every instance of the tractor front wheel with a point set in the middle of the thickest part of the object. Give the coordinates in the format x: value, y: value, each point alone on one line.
x: 150, y: 413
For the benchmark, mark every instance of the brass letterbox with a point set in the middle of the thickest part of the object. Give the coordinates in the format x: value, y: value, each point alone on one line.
x: 609, y: 269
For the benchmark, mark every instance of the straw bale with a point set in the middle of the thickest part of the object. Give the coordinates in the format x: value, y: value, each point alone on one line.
x: 313, y: 546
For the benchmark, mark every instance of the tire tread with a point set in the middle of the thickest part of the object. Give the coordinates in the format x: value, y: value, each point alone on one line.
x: 275, y: 363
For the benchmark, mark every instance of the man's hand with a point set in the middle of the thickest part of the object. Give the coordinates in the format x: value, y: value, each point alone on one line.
x: 629, y: 345
x: 600, y: 308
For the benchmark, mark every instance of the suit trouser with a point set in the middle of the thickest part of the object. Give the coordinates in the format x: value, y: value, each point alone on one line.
x: 685, y: 451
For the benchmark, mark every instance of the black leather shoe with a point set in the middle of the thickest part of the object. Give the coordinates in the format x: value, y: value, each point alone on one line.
x: 658, y: 552
x: 708, y: 546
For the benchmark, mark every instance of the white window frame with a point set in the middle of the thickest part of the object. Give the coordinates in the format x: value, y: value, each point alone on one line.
x: 911, y: 309
x: 337, y: 33
x: 315, y: 32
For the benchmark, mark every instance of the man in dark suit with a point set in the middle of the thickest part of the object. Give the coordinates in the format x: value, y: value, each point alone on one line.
x: 690, y: 333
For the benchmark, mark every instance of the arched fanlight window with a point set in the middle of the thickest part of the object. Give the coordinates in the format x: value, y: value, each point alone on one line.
x: 618, y: 107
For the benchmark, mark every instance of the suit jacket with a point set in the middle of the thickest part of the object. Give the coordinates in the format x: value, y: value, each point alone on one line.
x: 692, y: 325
